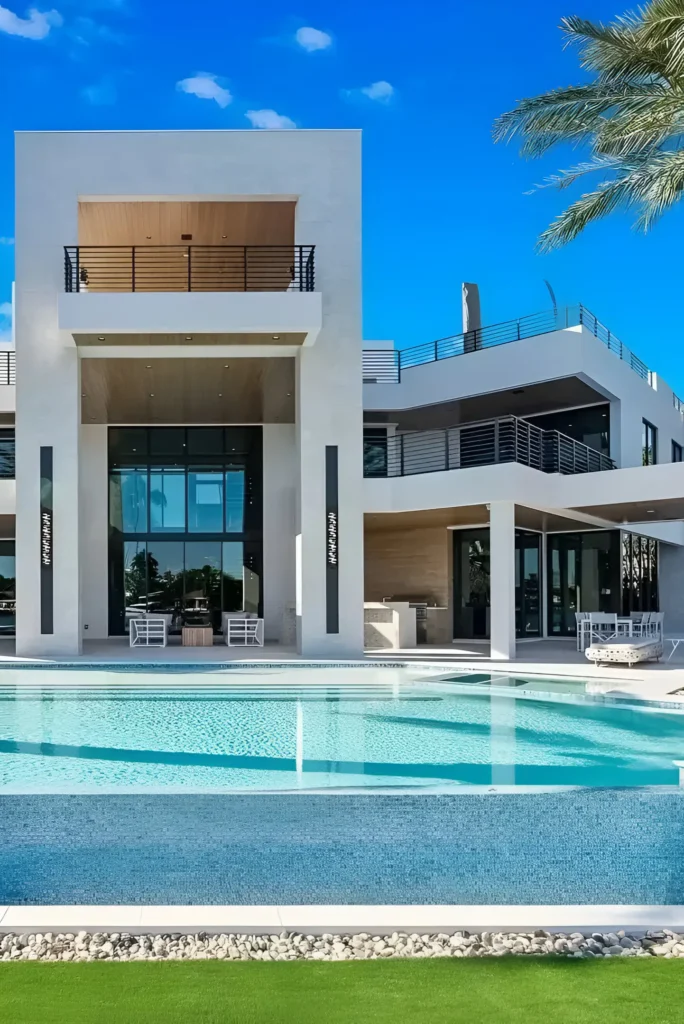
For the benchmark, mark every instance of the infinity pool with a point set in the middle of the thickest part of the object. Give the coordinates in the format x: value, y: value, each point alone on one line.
x: 296, y: 729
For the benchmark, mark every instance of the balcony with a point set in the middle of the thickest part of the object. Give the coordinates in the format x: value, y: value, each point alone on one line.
x: 507, y: 439
x: 189, y: 268
x: 385, y: 366
x: 253, y: 295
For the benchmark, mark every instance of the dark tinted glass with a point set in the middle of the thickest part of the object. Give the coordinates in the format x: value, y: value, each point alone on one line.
x: 205, y: 440
x: 167, y: 441
x: 125, y: 442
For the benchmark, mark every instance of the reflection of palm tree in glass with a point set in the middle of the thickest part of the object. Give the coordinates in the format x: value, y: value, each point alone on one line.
x: 135, y: 580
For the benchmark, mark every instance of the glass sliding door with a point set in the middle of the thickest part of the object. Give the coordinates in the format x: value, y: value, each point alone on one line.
x: 564, y: 553
x: 527, y: 584
x: 472, y: 588
x: 583, y: 576
x: 471, y: 584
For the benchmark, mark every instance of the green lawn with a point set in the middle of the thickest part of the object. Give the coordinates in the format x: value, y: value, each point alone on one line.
x: 506, y: 991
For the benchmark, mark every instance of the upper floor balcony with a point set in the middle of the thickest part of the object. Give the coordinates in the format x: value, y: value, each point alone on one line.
x: 489, y: 442
x: 257, y: 295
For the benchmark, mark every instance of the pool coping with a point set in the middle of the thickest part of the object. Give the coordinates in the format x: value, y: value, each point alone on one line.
x: 344, y: 919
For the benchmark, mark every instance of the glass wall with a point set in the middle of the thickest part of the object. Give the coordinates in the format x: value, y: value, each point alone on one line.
x: 8, y: 585
x: 472, y: 584
x: 639, y: 574
x: 185, y: 523
x: 599, y: 571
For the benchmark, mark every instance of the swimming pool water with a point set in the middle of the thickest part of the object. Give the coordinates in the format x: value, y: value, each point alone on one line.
x: 295, y: 730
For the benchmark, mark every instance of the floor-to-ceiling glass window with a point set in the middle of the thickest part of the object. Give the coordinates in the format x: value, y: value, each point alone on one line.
x: 185, y: 523
x: 598, y: 571
x: 527, y: 584
x: 472, y: 584
x: 639, y: 574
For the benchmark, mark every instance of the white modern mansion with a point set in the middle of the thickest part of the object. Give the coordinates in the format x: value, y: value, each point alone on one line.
x: 198, y: 422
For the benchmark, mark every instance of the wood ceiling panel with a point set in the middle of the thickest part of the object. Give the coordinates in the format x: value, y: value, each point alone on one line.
x: 181, y: 391
x: 163, y: 223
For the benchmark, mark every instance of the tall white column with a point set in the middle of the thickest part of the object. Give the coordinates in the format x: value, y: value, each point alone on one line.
x: 48, y: 415
x: 502, y: 579
x: 329, y: 413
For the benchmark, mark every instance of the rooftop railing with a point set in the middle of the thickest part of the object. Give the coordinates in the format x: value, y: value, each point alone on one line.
x: 385, y: 366
x: 189, y: 268
x: 506, y: 439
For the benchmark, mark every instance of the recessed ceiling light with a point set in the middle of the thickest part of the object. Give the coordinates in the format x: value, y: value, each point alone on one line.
x: 148, y: 236
x: 276, y: 337
x: 83, y: 394
x: 220, y: 395
x: 151, y: 395
x: 149, y: 366
x: 650, y: 511
x: 188, y: 337
x: 224, y: 236
x: 226, y: 366
x: 101, y: 337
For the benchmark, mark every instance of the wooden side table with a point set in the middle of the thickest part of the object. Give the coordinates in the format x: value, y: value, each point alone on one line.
x: 198, y: 636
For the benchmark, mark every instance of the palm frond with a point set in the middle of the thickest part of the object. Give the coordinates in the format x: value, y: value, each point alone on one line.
x: 617, y: 50
x: 570, y: 114
x: 642, y: 125
x: 606, y: 198
x: 663, y: 24
x: 660, y: 184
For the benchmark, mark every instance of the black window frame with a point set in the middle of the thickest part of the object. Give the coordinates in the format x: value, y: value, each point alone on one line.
x: 677, y: 452
x: 649, y: 443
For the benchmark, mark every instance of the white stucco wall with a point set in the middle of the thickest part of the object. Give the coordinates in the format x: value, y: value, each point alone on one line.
x: 671, y: 585
x: 94, y: 492
x: 322, y: 169
x: 280, y: 501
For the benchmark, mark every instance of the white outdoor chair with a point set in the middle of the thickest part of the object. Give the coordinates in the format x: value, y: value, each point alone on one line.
x: 583, y: 630
x: 654, y: 627
x: 242, y: 632
x: 603, y: 626
x: 148, y: 632
x: 640, y: 623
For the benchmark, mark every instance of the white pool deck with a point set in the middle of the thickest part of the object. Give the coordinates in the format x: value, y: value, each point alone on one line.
x: 553, y: 658
x: 319, y: 919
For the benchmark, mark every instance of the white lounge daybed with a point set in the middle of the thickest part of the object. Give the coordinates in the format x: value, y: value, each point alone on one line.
x: 626, y: 652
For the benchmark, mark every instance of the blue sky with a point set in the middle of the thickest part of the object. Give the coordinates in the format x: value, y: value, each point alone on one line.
x: 424, y: 81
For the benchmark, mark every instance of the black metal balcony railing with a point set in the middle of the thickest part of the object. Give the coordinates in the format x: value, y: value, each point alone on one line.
x: 7, y: 460
x: 507, y: 439
x: 188, y: 268
x: 385, y: 366
x: 8, y: 368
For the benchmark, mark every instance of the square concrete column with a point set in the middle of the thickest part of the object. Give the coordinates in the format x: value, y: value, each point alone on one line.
x: 48, y: 417
x: 329, y: 542
x: 502, y: 579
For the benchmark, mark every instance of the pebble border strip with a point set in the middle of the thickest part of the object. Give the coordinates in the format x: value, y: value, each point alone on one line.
x: 126, y: 946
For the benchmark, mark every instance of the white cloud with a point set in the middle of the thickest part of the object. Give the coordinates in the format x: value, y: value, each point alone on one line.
x: 206, y: 86
x: 269, y: 119
x: 381, y: 91
x: 4, y: 240
x: 36, y: 25
x: 101, y: 94
x: 312, y: 39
